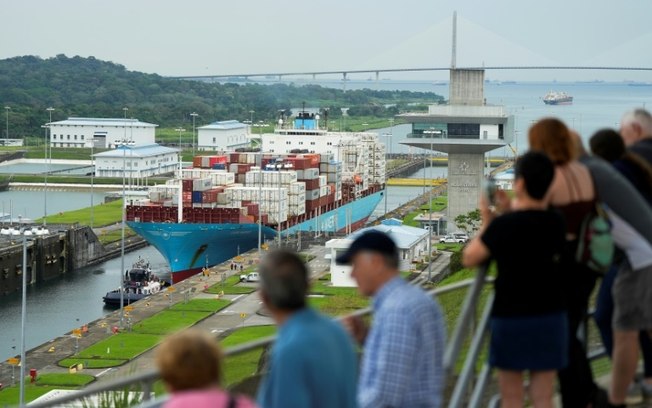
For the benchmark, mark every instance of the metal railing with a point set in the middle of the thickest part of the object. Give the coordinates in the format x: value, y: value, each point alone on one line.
x: 144, y: 381
x: 468, y: 388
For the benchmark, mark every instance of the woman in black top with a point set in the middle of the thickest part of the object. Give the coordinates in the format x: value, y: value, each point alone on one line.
x: 528, y: 321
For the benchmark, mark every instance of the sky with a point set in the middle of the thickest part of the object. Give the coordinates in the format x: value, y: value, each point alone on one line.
x: 205, y: 37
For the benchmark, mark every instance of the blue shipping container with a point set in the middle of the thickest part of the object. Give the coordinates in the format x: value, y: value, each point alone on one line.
x: 197, y: 197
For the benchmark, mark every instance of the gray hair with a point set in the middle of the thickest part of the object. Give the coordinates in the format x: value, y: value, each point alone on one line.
x: 641, y: 117
x: 284, y: 280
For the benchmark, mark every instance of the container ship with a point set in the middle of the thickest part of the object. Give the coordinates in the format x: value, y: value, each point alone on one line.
x: 304, y: 179
x: 557, y: 98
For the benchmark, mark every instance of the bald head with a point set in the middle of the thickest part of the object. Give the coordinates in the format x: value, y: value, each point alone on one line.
x: 636, y: 125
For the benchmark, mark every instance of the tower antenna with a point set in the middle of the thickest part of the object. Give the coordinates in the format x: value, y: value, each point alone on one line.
x: 454, y: 47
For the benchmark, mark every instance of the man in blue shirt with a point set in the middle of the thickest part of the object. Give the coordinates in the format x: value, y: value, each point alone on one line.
x: 404, y: 349
x: 313, y: 363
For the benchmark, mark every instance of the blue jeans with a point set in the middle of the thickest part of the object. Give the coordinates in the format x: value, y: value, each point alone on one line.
x: 603, y: 313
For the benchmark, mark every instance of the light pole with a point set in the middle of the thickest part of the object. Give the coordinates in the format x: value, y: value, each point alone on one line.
x: 194, y: 115
x: 430, y: 132
x: 251, y: 118
x: 123, y: 143
x: 92, y: 180
x: 260, y: 200
x: 23, y: 308
x: 7, y: 109
x: 179, y: 130
x: 47, y: 169
x: 387, y: 155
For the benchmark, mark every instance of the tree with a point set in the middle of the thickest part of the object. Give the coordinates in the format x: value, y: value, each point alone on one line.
x: 469, y: 222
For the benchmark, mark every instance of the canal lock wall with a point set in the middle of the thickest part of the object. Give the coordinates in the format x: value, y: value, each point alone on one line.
x: 53, y: 255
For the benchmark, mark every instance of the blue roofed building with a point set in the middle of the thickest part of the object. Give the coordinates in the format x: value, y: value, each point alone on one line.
x: 136, y: 161
x: 223, y: 136
x: 412, y: 246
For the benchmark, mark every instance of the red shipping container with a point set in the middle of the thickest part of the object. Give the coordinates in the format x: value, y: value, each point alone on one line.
x: 234, y: 157
x: 196, y: 162
x: 186, y: 185
x: 311, y: 184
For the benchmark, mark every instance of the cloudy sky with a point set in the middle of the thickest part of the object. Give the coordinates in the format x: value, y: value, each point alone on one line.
x: 198, y: 37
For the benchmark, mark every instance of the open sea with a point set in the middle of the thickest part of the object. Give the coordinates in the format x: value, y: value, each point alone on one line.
x: 56, y: 307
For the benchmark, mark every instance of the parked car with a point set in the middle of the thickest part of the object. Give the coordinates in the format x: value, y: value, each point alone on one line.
x: 452, y: 239
x: 461, y: 236
x: 251, y: 277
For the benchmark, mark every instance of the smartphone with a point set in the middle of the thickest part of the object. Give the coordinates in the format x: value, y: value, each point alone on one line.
x: 489, y: 189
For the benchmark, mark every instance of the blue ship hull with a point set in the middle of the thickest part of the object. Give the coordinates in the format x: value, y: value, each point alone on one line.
x: 190, y: 247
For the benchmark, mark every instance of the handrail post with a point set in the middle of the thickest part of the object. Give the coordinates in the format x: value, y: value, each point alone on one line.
x: 468, y: 310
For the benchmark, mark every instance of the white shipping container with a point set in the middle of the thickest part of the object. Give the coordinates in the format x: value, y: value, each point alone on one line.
x: 312, y: 194
x: 324, y: 190
x: 202, y: 184
x: 310, y: 174
x: 297, y: 187
x: 323, y: 180
x: 300, y: 175
x: 296, y: 199
x: 223, y: 198
x: 333, y: 177
x: 338, y: 194
x: 298, y: 209
x: 173, y: 182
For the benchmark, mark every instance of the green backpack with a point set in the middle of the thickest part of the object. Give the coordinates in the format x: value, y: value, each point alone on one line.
x: 595, y: 245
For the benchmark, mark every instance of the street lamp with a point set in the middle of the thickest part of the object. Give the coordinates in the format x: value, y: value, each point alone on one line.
x: 194, y: 115
x: 124, y: 143
x: 179, y: 130
x: 7, y: 109
x: 92, y: 181
x: 23, y: 306
x: 430, y: 132
x: 47, y: 169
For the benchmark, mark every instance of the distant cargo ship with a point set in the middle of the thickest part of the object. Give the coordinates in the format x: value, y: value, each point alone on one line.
x: 557, y: 98
x: 213, y: 211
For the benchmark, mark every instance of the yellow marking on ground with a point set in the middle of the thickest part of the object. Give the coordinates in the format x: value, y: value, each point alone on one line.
x: 415, y: 182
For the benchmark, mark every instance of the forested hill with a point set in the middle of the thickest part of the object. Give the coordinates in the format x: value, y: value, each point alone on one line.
x: 89, y: 87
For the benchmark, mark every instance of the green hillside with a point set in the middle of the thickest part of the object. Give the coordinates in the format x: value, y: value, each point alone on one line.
x: 89, y: 87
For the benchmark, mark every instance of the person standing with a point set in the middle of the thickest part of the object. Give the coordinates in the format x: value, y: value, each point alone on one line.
x: 529, y: 325
x: 313, y: 362
x: 402, y: 363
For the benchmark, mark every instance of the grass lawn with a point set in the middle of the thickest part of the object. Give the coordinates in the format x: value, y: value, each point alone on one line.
x: 91, y: 363
x: 45, y: 383
x: 237, y: 368
x: 64, y: 379
x: 121, y: 346
x: 115, y: 235
x: 103, y: 214
x: 9, y: 396
x: 449, y: 247
x: 167, y: 322
x: 336, y: 301
x: 201, y: 305
x: 438, y: 204
x: 231, y: 286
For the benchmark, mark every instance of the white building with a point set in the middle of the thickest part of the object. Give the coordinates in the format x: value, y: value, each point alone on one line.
x: 105, y: 132
x: 226, y: 135
x: 412, y: 246
x: 137, y: 161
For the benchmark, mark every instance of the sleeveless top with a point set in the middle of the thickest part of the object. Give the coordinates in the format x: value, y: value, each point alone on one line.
x: 573, y: 194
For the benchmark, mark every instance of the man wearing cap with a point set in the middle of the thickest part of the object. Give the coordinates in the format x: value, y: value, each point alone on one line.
x: 404, y: 348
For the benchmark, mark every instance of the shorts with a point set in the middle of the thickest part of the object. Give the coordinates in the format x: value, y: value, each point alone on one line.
x: 632, y: 293
x: 537, y: 343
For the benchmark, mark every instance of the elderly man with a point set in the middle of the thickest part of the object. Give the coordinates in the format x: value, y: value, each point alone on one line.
x: 313, y: 363
x: 402, y: 361
x: 636, y: 131
x: 632, y: 293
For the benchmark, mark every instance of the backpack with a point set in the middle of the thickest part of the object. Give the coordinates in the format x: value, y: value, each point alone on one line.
x: 595, y: 245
